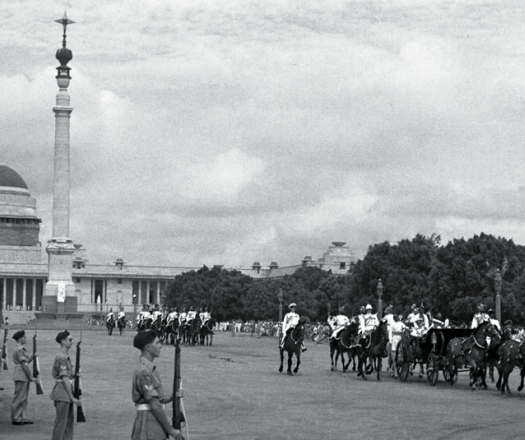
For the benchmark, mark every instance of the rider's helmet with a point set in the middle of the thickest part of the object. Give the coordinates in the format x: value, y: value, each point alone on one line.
x: 490, y: 312
x: 368, y: 307
x: 481, y: 307
x: 292, y: 305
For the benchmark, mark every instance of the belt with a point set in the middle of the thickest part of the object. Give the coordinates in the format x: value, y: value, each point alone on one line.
x: 144, y: 406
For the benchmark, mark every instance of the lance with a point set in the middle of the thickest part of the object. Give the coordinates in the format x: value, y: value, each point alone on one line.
x: 36, y: 368
x: 178, y: 413
x: 77, y: 388
x: 3, y: 359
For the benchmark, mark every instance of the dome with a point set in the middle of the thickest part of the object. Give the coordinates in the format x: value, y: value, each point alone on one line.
x: 10, y: 178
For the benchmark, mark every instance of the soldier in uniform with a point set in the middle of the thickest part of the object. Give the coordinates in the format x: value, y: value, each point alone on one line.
x: 205, y: 317
x: 22, y: 377
x: 480, y: 317
x: 62, y: 393
x: 156, y: 314
x: 337, y: 323
x: 182, y: 316
x: 418, y: 322
x: 151, y: 422
x: 191, y: 315
x: 290, y: 320
x: 493, y: 320
x: 121, y: 314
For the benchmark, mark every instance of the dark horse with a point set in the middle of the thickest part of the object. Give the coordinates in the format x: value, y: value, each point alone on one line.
x: 144, y: 324
x: 512, y: 354
x: 121, y: 324
x: 470, y: 351
x: 190, y: 331
x: 373, y: 348
x: 206, y: 331
x: 110, y: 324
x: 344, y: 343
x: 172, y: 330
x: 293, y: 344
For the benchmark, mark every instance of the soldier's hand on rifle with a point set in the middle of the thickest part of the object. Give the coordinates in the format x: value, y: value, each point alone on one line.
x: 176, y: 434
x: 78, y: 402
x: 180, y: 393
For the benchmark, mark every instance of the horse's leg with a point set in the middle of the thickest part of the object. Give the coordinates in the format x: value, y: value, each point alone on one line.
x: 290, y: 354
x: 282, y: 359
x: 379, y: 365
x: 332, y: 349
x: 522, y: 374
x: 298, y: 356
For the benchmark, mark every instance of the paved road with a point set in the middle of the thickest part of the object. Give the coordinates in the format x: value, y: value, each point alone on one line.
x: 234, y: 391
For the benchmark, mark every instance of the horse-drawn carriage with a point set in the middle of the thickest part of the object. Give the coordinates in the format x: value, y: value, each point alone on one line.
x: 428, y: 350
x: 439, y: 339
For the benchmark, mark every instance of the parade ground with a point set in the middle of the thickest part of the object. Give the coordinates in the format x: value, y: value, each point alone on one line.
x: 233, y: 390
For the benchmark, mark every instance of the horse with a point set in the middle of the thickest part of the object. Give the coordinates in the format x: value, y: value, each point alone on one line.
x: 511, y: 354
x: 470, y: 351
x: 293, y: 344
x: 206, y: 331
x: 191, y: 330
x: 121, y: 324
x: 344, y: 344
x: 158, y: 327
x: 144, y: 324
x: 110, y: 324
x: 373, y: 350
x: 172, y: 330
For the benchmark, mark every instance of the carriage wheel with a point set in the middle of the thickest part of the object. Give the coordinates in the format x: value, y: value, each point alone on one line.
x: 432, y: 370
x: 401, y: 362
x: 446, y: 373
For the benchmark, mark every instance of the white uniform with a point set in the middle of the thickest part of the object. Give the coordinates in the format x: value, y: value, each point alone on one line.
x: 495, y: 323
x: 172, y: 317
x: 182, y: 317
x: 121, y: 314
x: 368, y: 322
x: 479, y: 318
x: 420, y: 324
x: 290, y: 320
x: 337, y: 324
x: 389, y: 319
x: 396, y: 331
x: 191, y: 315
x: 110, y: 316
x: 144, y: 316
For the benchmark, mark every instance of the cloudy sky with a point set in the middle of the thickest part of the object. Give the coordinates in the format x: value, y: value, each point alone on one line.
x: 227, y: 132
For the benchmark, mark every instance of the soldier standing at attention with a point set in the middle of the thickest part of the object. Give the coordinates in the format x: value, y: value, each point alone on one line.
x: 62, y: 393
x: 23, y: 377
x: 147, y: 393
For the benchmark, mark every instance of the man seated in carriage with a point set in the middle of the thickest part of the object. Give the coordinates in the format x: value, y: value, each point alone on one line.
x: 418, y: 322
x: 337, y: 323
x: 204, y: 316
x: 290, y: 321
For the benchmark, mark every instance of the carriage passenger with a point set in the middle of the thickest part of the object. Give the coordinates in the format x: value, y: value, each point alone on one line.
x: 290, y: 321
x: 418, y: 322
x: 337, y: 323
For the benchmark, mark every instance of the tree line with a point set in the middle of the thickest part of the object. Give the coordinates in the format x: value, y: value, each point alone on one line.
x: 450, y: 279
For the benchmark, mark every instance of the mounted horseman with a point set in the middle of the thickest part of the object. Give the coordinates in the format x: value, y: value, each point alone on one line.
x: 144, y: 318
x: 337, y: 324
x: 292, y: 340
x: 172, y: 325
x: 156, y: 319
x: 206, y: 327
x: 110, y: 321
x: 192, y: 326
x: 290, y: 321
x: 372, y: 337
x: 182, y: 325
x: 121, y: 320
x: 418, y: 324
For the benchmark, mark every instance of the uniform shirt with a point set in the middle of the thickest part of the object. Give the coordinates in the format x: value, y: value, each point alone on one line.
x: 495, y: 324
x: 205, y: 316
x: 368, y: 322
x: 121, y: 315
x: 420, y: 324
x: 479, y: 318
x: 182, y: 317
x: 156, y: 314
x: 290, y: 320
x: 396, y: 331
x: 109, y: 316
x: 146, y: 385
x: 19, y: 358
x: 62, y: 370
x: 191, y: 315
x: 172, y: 317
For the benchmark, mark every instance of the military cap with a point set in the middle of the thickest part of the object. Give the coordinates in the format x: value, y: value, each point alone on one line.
x: 144, y: 338
x: 292, y: 305
x: 61, y: 336
x: 19, y: 335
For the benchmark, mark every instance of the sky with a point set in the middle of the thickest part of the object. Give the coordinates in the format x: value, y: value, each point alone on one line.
x: 227, y: 132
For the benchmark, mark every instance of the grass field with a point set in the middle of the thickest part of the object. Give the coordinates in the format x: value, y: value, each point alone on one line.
x: 233, y: 390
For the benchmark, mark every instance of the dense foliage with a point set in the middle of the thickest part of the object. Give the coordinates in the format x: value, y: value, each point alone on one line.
x: 449, y: 279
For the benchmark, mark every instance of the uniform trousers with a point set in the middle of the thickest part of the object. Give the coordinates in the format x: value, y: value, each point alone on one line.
x: 19, y: 406
x: 64, y: 422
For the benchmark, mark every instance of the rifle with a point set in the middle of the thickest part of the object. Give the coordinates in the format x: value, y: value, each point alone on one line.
x: 77, y: 388
x: 178, y: 415
x: 36, y: 368
x: 3, y: 359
